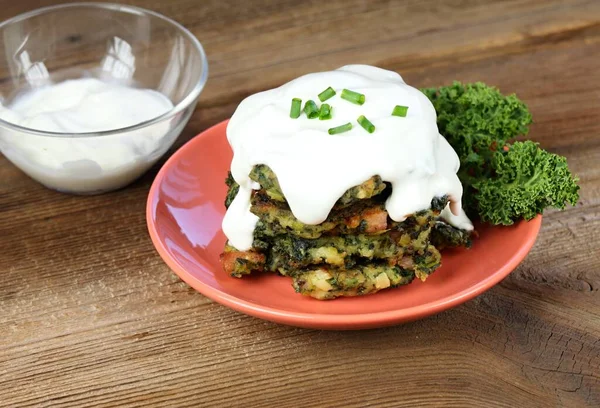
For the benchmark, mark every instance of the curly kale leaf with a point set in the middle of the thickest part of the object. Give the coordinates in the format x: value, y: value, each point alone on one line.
x: 502, y: 183
x: 476, y: 117
x: 527, y: 180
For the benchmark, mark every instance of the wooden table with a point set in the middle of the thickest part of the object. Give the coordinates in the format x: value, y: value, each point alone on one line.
x: 91, y: 316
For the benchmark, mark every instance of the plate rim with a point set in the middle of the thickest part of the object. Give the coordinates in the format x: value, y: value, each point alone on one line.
x: 320, y: 320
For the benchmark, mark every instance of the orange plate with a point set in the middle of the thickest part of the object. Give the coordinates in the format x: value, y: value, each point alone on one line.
x: 184, y: 213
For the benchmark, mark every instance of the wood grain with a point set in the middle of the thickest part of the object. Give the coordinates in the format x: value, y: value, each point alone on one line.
x: 91, y: 317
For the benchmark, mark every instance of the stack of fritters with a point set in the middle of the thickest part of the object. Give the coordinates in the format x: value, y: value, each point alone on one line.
x: 357, y: 250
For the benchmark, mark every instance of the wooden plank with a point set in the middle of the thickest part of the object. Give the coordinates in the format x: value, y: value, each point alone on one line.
x: 91, y: 317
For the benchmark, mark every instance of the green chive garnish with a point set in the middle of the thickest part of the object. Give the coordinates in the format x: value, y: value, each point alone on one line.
x: 326, y: 94
x: 311, y: 109
x: 325, y: 112
x: 366, y: 124
x: 340, y: 129
x: 353, y: 97
x: 400, y: 110
x: 296, y: 108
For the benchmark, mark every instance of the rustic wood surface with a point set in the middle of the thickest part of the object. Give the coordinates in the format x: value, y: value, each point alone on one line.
x: 91, y: 317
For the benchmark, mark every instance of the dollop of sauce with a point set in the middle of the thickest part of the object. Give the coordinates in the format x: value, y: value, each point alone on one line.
x: 92, y: 163
x: 85, y: 105
x: 314, y: 168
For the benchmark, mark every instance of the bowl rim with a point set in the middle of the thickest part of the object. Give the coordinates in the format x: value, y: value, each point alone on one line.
x: 183, y: 104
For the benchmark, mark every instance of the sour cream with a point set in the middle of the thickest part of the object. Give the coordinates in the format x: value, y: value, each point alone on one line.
x: 71, y: 162
x: 314, y: 168
x: 86, y: 105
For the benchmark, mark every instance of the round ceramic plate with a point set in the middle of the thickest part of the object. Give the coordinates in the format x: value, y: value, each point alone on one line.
x: 184, y: 214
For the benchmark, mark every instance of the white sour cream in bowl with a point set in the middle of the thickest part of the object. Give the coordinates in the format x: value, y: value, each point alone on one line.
x: 86, y: 164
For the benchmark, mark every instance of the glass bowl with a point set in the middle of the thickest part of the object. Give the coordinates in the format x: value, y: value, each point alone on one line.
x: 111, y: 42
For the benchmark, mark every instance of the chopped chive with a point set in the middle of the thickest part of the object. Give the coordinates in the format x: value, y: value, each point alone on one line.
x: 311, y: 109
x: 340, y: 129
x: 353, y: 97
x: 296, y: 108
x: 325, y: 112
x: 366, y: 124
x: 400, y: 110
x: 326, y: 94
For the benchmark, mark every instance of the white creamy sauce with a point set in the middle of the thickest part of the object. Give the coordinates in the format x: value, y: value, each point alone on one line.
x: 89, y: 163
x: 314, y: 168
x: 86, y: 105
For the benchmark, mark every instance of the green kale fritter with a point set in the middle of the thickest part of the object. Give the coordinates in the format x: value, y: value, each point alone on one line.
x: 365, y: 217
x: 276, y: 218
x: 240, y: 263
x: 359, y: 247
x: 444, y: 235
x: 325, y: 282
x: 232, y: 189
x: 289, y: 252
x: 263, y: 175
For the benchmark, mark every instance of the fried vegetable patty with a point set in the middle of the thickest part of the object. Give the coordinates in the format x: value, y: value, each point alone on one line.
x: 357, y: 250
x: 324, y: 282
x: 267, y: 179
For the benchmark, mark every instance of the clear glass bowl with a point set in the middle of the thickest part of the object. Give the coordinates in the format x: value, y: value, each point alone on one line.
x: 107, y: 41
